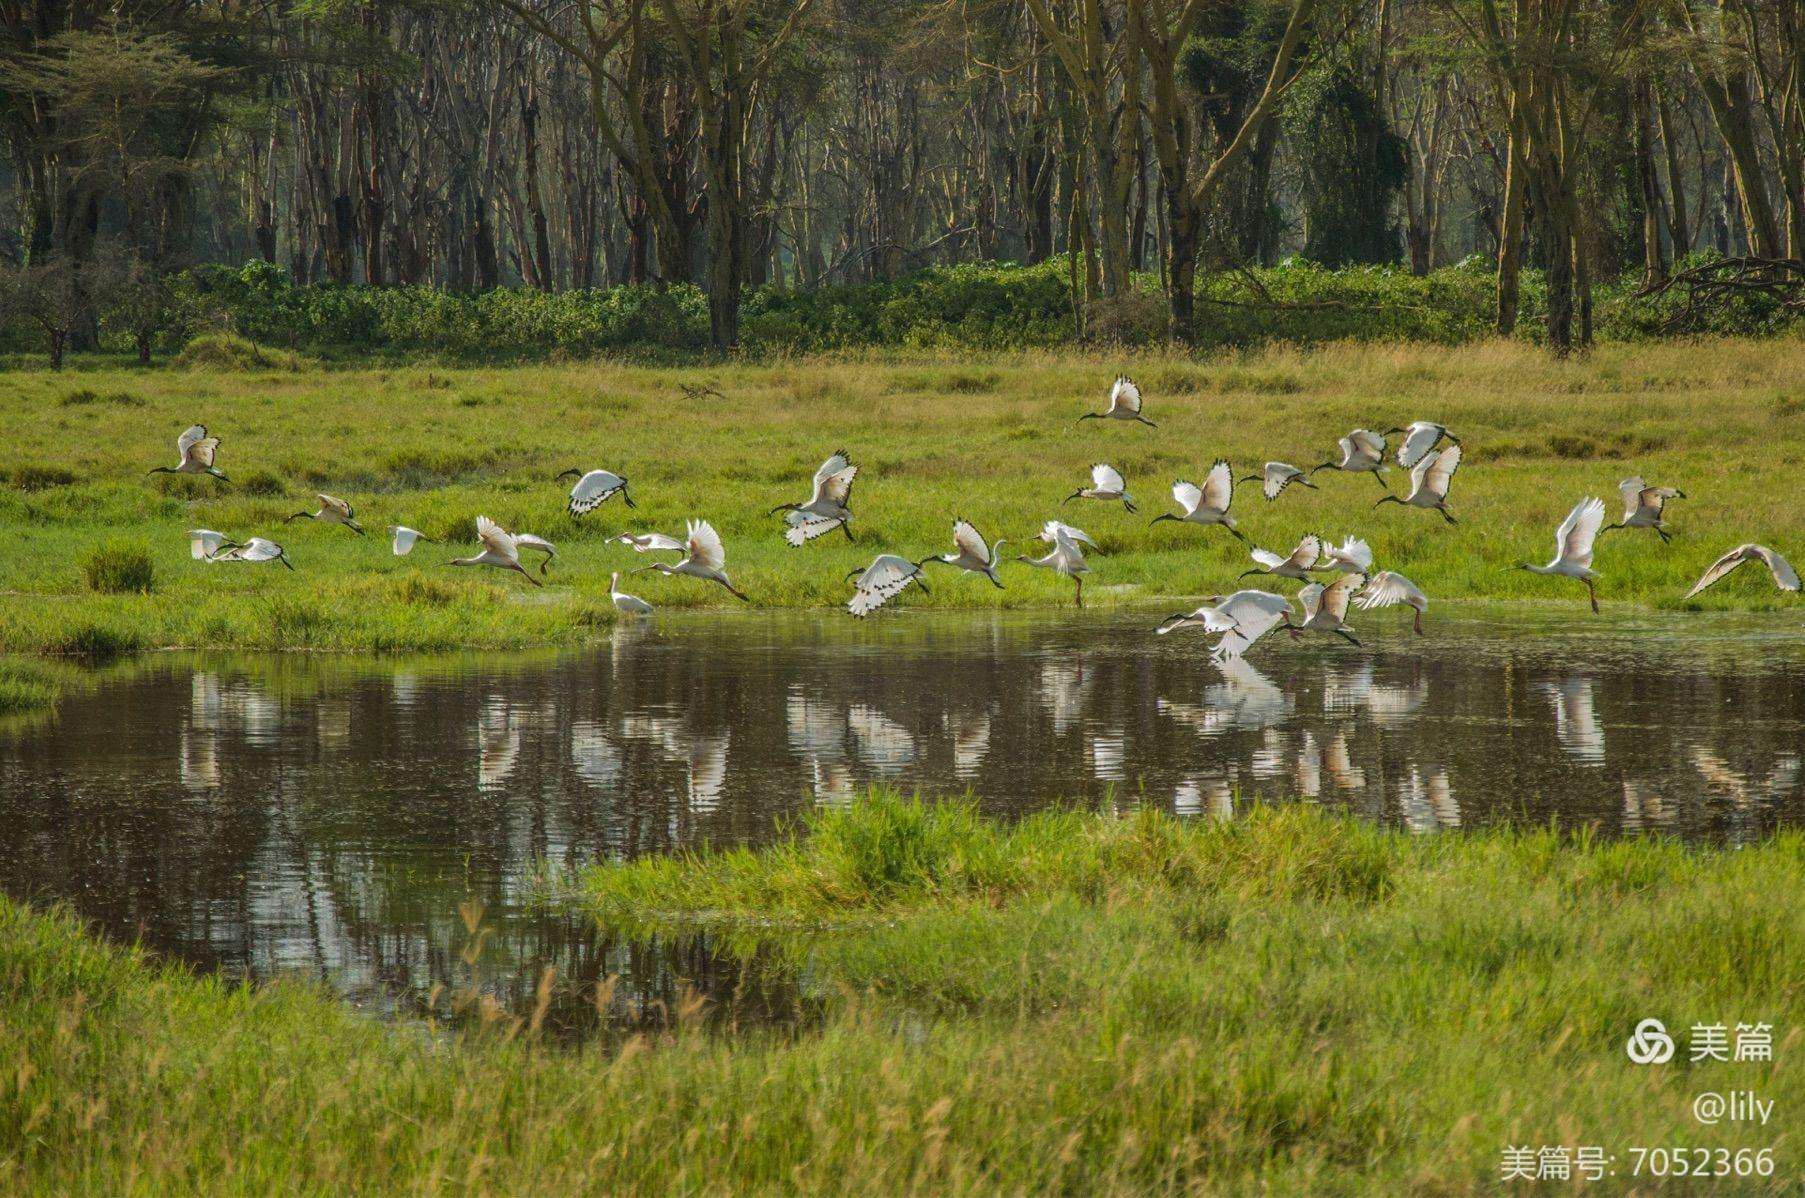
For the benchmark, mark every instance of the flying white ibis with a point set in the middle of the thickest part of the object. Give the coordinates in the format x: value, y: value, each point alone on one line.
x: 204, y: 543
x: 1274, y: 477
x: 970, y: 553
x: 1387, y: 588
x: 1643, y: 505
x: 332, y: 511
x: 1573, y: 547
x: 647, y: 542
x: 1124, y: 404
x: 1785, y: 577
x: 827, y: 507
x: 1352, y: 556
x: 257, y: 549
x: 704, y: 557
x: 1066, y: 557
x: 594, y: 488
x: 1361, y: 451
x: 1107, y: 484
x: 1297, y: 565
x: 1325, y: 607
x: 1207, y: 504
x: 1429, y: 480
x: 404, y: 538
x: 1243, y: 618
x: 197, y: 450
x: 631, y: 605
x: 1419, y: 439
x: 882, y: 580
x: 500, y: 549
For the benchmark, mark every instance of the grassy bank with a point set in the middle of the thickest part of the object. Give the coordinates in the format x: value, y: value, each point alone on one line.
x: 990, y: 438
x: 1074, y: 1003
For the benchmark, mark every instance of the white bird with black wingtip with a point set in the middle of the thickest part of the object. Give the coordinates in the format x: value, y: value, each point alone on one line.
x: 197, y: 451
x: 882, y: 581
x: 333, y: 510
x: 1352, y: 556
x: 594, y: 488
x: 1107, y: 484
x: 501, y: 549
x: 1297, y: 565
x: 204, y: 545
x: 1429, y: 480
x: 1274, y: 477
x: 970, y: 553
x: 1243, y: 618
x: 1362, y: 452
x: 1207, y: 504
x: 1421, y: 437
x: 257, y: 549
x: 1643, y: 506
x: 1325, y: 608
x: 1124, y: 404
x: 828, y: 502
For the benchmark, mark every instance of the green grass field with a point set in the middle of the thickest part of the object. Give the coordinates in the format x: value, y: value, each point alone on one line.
x: 993, y: 440
x: 1289, y: 1003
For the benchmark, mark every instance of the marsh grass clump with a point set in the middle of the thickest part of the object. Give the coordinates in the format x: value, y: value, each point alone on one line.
x: 228, y: 351
x: 261, y: 484
x: 119, y: 567
x: 86, y: 638
x: 34, y: 476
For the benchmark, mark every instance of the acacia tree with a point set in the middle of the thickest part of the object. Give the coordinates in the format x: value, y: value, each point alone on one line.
x: 1189, y: 192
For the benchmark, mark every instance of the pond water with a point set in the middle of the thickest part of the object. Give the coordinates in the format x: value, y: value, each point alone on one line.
x: 356, y: 818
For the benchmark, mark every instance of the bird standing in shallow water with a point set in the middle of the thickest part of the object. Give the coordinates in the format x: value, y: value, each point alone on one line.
x: 1107, y: 484
x: 827, y: 507
x: 1643, y: 505
x: 1573, y: 547
x: 632, y: 605
x: 881, y: 581
x: 197, y: 450
x: 1785, y: 577
x: 593, y: 489
x: 1066, y: 557
x: 1124, y: 404
x: 1429, y: 481
x: 1207, y: 504
x: 1362, y: 451
x: 970, y: 553
x: 500, y: 549
x: 332, y: 511
x: 704, y: 557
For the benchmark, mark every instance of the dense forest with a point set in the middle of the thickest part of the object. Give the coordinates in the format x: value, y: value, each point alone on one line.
x: 1132, y: 150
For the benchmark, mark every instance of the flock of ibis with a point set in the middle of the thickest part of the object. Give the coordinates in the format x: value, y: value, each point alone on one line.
x: 1429, y: 451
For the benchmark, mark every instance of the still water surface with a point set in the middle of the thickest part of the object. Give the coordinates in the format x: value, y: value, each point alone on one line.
x: 350, y: 817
